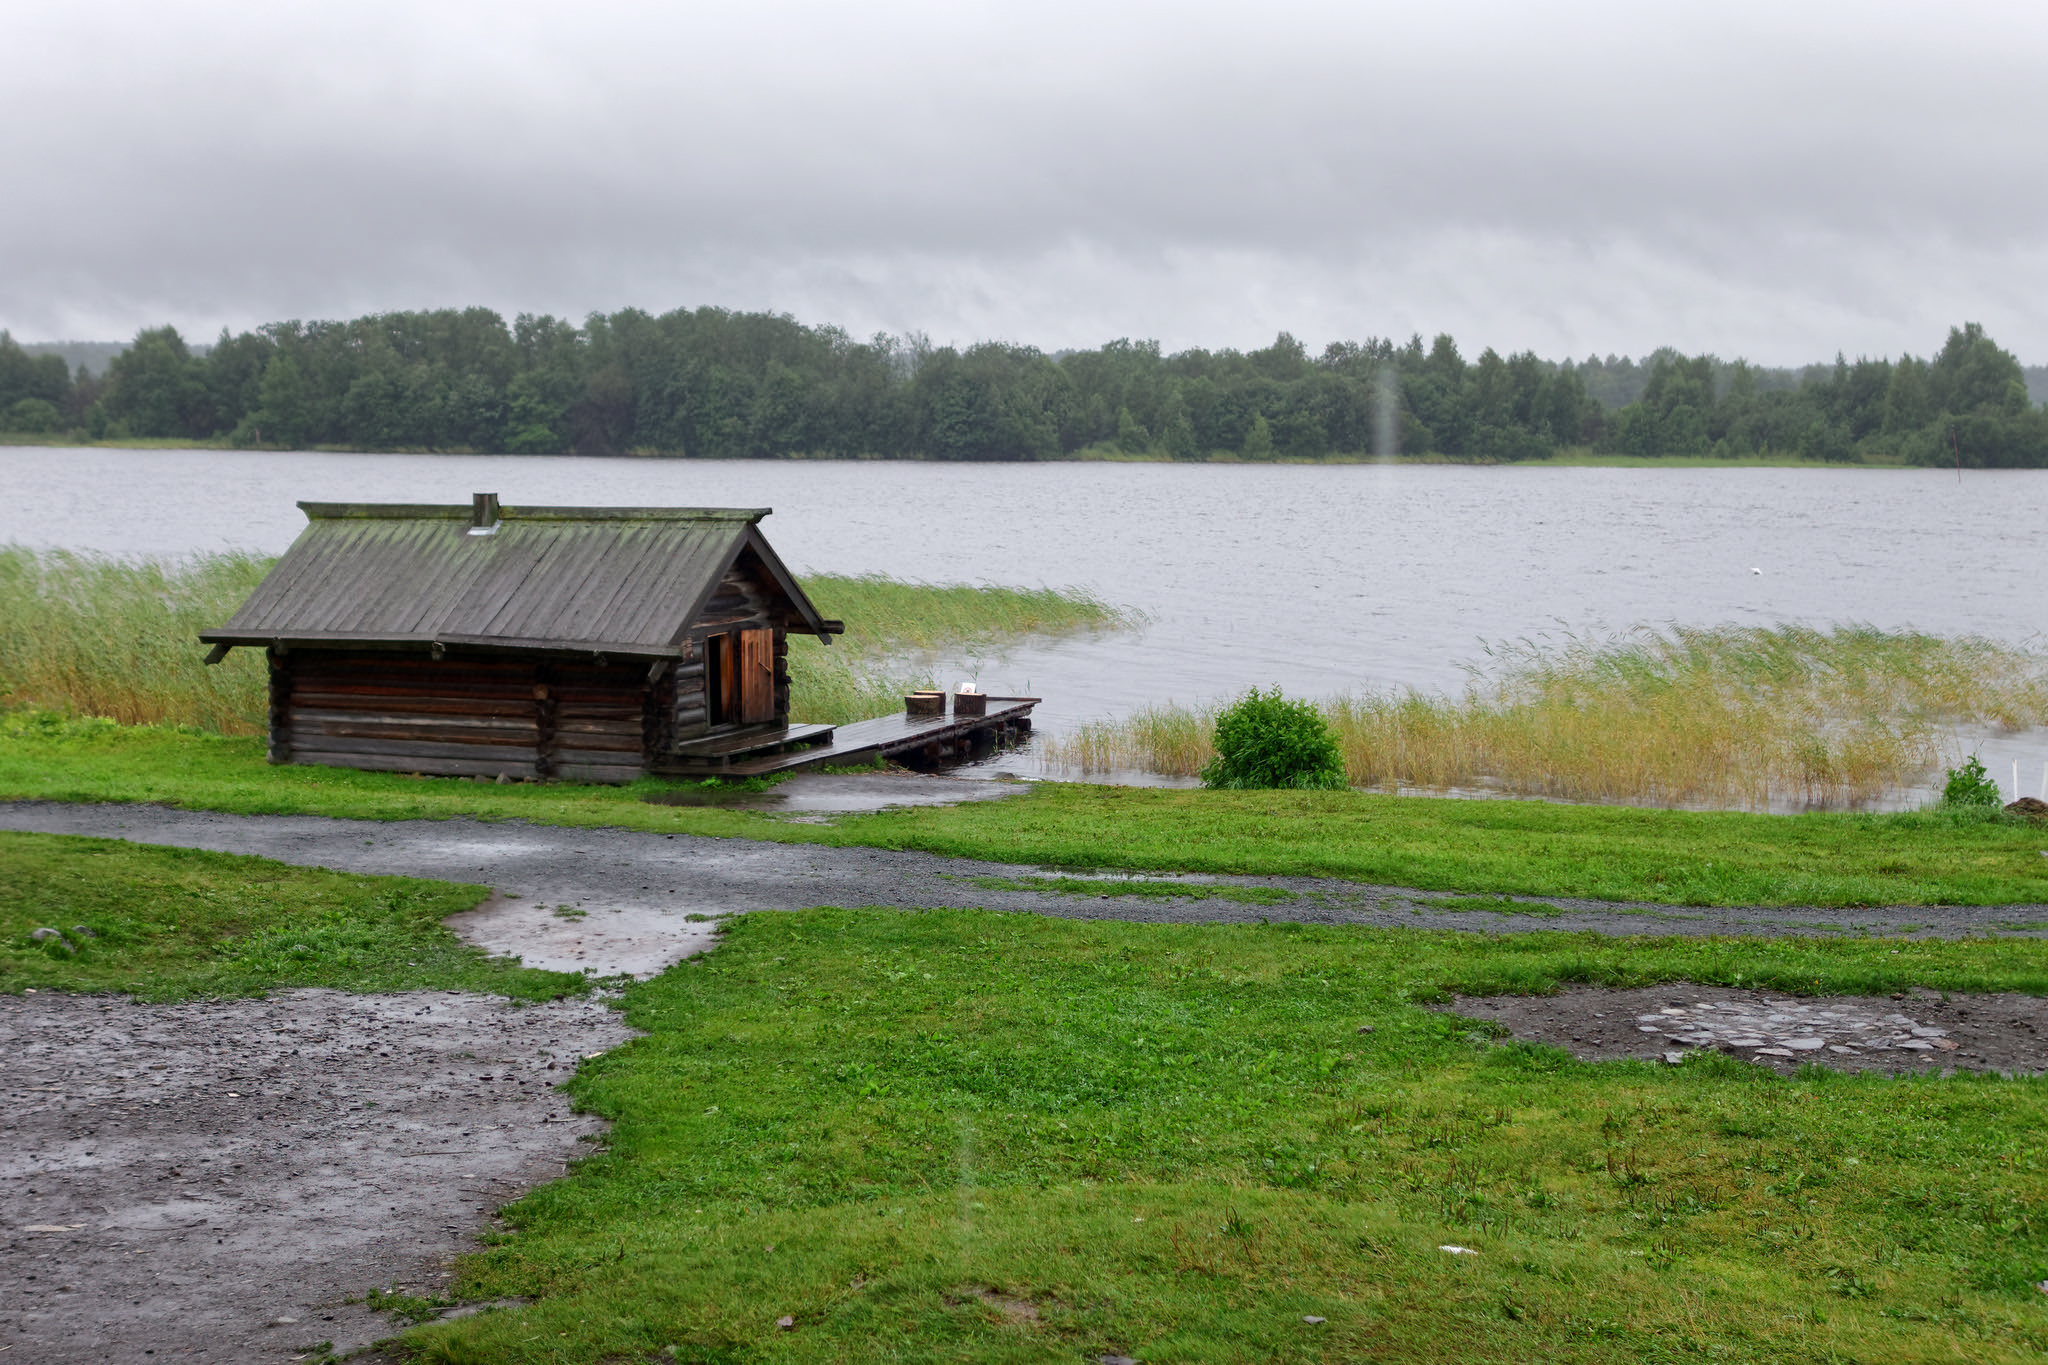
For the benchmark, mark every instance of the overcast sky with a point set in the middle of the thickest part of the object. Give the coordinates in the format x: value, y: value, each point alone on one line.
x: 1777, y: 181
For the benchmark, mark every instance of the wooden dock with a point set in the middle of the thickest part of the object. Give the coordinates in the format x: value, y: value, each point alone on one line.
x: 910, y: 739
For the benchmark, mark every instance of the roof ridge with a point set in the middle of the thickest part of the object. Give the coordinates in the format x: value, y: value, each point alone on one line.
x: 422, y: 511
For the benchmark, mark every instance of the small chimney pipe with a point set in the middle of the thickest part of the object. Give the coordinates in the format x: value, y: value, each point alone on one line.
x: 483, y: 510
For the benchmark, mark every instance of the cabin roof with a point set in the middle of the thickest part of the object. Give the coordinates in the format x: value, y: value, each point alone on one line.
x: 626, y: 581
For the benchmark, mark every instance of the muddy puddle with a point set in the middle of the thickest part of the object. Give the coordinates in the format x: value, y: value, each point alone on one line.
x: 600, y: 939
x: 848, y: 793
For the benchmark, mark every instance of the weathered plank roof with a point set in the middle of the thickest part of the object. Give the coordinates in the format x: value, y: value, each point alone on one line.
x: 627, y: 581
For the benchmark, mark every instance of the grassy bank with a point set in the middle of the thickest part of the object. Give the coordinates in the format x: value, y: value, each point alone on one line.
x: 177, y: 923
x: 962, y: 1136
x: 1728, y: 716
x: 118, y: 638
x: 1513, y: 847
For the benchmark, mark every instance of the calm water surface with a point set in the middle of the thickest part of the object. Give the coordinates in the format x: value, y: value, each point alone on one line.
x: 1318, y: 578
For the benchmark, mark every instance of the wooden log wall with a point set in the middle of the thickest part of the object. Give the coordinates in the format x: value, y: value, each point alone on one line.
x: 692, y: 705
x: 742, y: 600
x: 781, y: 675
x: 466, y: 715
x: 602, y: 721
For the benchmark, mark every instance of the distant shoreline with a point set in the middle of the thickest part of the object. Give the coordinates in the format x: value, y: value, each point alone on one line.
x: 1573, y: 459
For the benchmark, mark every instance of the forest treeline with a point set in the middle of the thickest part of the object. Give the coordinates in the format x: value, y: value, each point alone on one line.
x: 711, y: 383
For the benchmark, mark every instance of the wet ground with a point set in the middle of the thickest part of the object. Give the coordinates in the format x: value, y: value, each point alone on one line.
x: 612, y: 900
x: 218, y: 1180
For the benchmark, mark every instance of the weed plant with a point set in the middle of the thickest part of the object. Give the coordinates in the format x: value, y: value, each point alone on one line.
x: 99, y: 636
x: 1970, y: 786
x: 1733, y: 717
x: 953, y: 1135
x: 1265, y: 741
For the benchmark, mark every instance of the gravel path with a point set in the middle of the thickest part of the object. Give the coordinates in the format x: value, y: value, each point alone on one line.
x: 637, y: 889
x: 220, y: 1177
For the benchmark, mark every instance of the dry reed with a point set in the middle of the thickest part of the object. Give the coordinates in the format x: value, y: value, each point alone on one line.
x: 1744, y: 717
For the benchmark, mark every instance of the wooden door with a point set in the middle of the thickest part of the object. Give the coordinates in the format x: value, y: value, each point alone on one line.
x: 757, y: 676
x: 719, y: 697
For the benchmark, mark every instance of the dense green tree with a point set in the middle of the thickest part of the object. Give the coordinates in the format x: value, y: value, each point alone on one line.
x: 710, y: 382
x: 24, y: 378
x: 1131, y: 436
x: 1258, y: 442
x: 158, y: 388
x: 282, y: 416
x: 1971, y: 374
x: 32, y: 416
x: 1908, y: 398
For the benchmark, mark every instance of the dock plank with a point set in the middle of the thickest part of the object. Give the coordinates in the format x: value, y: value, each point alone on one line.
x: 725, y: 746
x: 863, y: 741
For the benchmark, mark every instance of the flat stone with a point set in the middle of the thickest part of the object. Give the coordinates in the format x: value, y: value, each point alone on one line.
x: 1648, y: 1028
x: 1917, y: 1045
x: 1772, y: 1052
x: 1803, y: 1044
x: 1746, y: 1042
x: 1919, y: 1032
x: 1674, y: 1058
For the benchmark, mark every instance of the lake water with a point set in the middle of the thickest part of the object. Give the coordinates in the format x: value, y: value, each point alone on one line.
x: 1318, y: 578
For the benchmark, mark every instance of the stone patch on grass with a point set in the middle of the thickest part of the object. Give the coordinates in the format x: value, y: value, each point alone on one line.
x: 1911, y: 1032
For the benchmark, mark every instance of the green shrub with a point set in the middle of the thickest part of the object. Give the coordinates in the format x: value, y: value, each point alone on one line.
x: 1265, y: 740
x: 1969, y: 785
x: 33, y: 416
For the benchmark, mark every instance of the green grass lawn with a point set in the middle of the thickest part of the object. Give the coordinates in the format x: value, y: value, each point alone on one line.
x: 955, y: 1135
x: 176, y: 923
x: 1493, y: 847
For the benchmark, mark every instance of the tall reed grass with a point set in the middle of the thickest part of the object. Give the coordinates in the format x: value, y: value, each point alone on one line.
x: 894, y: 628
x: 118, y: 638
x: 1742, y: 717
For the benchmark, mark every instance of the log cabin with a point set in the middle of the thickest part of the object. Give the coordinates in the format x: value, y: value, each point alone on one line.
x: 591, y: 644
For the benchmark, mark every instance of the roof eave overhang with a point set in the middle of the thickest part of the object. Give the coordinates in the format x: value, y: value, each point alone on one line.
x: 611, y: 649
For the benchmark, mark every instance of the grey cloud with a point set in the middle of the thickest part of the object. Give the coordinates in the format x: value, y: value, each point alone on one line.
x: 1777, y: 182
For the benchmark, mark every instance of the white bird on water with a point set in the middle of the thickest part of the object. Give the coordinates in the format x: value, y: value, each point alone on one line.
x: 1754, y: 569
